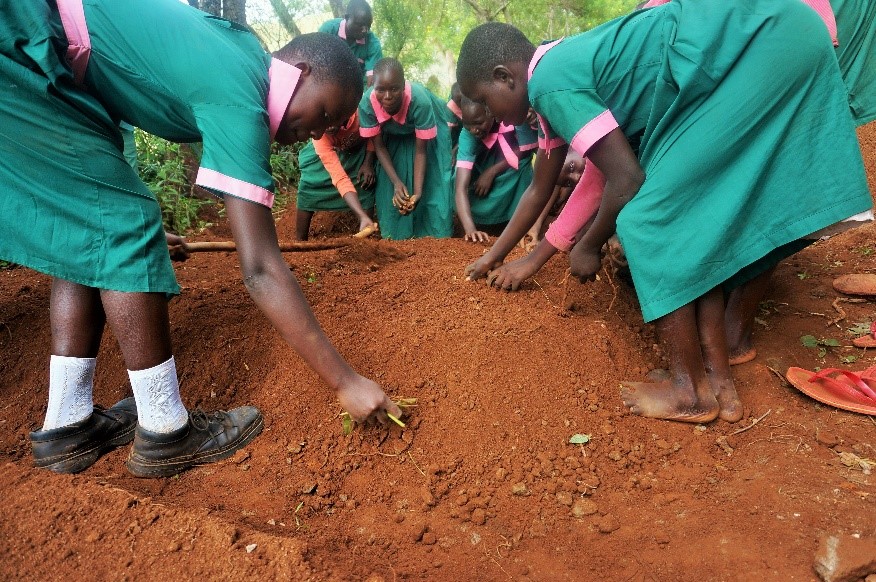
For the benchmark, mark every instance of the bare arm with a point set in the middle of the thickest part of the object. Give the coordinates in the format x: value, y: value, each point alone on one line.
x: 484, y: 182
x: 623, y: 178
x: 533, y: 201
x: 276, y: 293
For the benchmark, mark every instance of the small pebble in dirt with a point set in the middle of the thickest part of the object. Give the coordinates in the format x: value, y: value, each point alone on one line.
x: 250, y: 548
x: 827, y: 439
x: 478, y: 517
x: 519, y: 489
x: 399, y: 517
x: 429, y: 538
x: 500, y: 473
x: 565, y: 498
x: 583, y: 507
x: 607, y: 524
x: 174, y: 547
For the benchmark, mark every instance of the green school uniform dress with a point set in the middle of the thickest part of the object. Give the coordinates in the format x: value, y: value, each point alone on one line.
x: 724, y: 104
x: 367, y: 50
x: 420, y: 117
x: 502, y: 143
x: 318, y: 189
x: 72, y: 206
x: 856, y: 53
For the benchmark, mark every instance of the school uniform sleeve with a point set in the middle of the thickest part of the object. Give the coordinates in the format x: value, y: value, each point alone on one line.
x: 468, y: 150
x: 330, y: 26
x: 236, y: 158
x: 374, y: 53
x: 582, y: 205
x: 325, y: 149
x: 527, y: 138
x: 421, y: 113
x: 579, y: 117
x: 368, y: 125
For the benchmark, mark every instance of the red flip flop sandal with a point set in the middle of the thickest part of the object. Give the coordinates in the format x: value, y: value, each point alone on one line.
x: 856, y: 284
x: 843, y: 389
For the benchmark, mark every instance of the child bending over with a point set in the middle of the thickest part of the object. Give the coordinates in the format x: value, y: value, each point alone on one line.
x: 326, y: 165
x: 406, y: 123
x: 74, y: 208
x: 493, y: 168
x: 698, y: 171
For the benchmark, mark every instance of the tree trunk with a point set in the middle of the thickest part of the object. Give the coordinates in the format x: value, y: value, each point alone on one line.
x: 235, y: 11
x: 213, y: 7
x: 285, y: 18
x: 338, y: 8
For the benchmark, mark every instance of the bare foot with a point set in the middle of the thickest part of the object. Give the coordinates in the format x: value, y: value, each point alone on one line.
x: 730, y: 407
x: 742, y: 356
x: 668, y: 401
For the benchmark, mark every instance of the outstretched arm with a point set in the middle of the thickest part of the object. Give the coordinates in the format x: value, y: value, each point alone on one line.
x: 463, y: 206
x: 276, y: 293
x: 533, y: 201
x: 623, y: 178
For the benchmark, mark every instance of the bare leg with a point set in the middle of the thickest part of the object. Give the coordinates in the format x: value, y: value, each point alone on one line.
x: 713, y: 342
x: 141, y: 325
x: 687, y: 395
x: 77, y: 319
x: 302, y: 224
x: 742, y: 306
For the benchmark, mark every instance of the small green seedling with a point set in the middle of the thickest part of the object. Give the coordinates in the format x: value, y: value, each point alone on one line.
x: 822, y: 344
x: 347, y: 422
x: 850, y: 359
x: 803, y: 275
x: 579, y: 439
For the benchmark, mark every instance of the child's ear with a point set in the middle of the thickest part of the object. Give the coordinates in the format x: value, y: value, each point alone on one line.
x: 304, y: 67
x: 503, y: 75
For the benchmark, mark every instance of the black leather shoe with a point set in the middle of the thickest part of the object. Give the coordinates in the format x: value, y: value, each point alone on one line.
x: 206, y: 438
x: 74, y: 448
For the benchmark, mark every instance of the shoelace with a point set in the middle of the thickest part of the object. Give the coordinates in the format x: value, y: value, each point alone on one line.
x: 201, y: 420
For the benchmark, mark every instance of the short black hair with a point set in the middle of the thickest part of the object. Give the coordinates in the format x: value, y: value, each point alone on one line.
x: 487, y: 46
x: 358, y: 7
x: 388, y: 65
x: 456, y: 93
x: 329, y: 57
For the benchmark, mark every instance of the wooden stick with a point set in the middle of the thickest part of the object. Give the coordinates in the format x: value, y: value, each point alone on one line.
x: 287, y: 247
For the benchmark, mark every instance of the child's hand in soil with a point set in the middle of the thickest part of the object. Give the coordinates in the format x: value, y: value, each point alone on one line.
x: 477, y: 236
x: 585, y: 262
x: 511, y: 275
x: 480, y: 268
x: 365, y: 401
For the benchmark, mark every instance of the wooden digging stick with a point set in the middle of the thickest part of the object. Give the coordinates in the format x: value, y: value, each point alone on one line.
x: 287, y: 247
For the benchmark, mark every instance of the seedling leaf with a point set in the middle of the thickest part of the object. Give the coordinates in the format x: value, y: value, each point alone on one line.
x: 579, y: 439
x: 810, y: 341
x: 347, y: 424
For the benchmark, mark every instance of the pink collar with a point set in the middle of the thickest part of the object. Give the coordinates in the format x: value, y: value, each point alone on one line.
x: 507, y: 150
x: 539, y: 53
x: 452, y: 106
x: 342, y: 31
x: 401, y: 116
x: 283, y: 81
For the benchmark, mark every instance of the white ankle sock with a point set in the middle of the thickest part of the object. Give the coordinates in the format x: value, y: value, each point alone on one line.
x: 70, y: 384
x: 156, y: 390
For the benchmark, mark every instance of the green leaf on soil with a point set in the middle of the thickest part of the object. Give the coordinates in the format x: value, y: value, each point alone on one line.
x: 849, y: 359
x: 347, y: 424
x: 580, y: 439
x: 830, y: 342
x: 810, y: 341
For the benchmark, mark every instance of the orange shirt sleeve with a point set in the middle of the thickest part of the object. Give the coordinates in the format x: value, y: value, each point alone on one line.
x: 324, y: 148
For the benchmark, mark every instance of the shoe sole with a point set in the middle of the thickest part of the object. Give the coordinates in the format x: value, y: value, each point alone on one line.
x: 146, y: 469
x: 82, y: 460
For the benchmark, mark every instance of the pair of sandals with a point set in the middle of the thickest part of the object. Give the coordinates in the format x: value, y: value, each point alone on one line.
x: 844, y: 389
